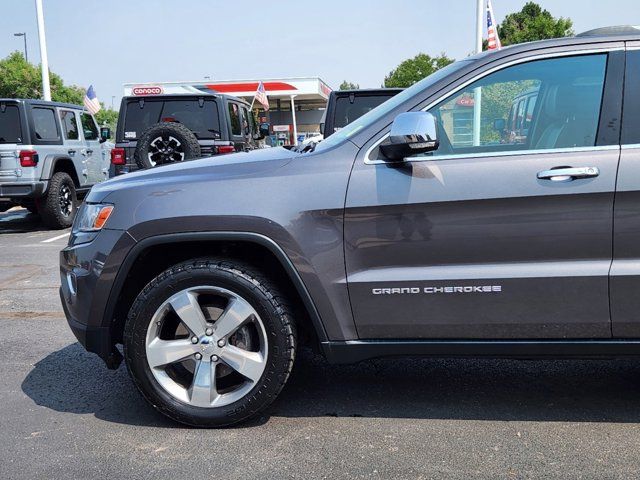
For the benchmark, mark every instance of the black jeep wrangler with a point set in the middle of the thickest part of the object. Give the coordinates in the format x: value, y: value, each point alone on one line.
x: 160, y: 129
x: 346, y: 106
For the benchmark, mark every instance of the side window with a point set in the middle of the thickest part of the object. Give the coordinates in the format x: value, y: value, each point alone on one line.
x: 247, y: 122
x: 44, y: 124
x: 89, y: 127
x: 69, y: 124
x: 542, y: 104
x: 234, y: 113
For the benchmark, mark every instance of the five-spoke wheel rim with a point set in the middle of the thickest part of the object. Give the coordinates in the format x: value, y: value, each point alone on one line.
x: 165, y: 149
x: 66, y: 200
x: 206, y: 346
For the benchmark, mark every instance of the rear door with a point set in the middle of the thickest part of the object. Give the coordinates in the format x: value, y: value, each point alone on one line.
x: 482, y: 239
x: 12, y: 132
x: 625, y: 270
x: 77, y: 150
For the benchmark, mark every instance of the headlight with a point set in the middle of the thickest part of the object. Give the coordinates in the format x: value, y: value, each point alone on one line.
x: 92, y: 217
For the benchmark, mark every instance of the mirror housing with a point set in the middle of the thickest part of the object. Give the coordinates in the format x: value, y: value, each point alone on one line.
x: 263, y: 130
x: 411, y: 133
x: 499, y: 124
x: 105, y: 134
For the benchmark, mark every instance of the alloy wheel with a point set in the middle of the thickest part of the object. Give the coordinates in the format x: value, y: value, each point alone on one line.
x: 165, y: 149
x: 65, y: 199
x: 206, y: 346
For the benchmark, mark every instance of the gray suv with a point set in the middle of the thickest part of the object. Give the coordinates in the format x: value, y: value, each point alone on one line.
x: 418, y: 229
x: 50, y: 154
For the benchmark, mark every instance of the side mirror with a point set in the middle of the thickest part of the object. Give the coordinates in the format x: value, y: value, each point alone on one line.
x: 264, y: 130
x: 105, y: 134
x: 499, y: 124
x: 411, y: 133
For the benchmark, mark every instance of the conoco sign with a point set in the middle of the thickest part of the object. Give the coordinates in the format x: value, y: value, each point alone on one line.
x: 147, y: 90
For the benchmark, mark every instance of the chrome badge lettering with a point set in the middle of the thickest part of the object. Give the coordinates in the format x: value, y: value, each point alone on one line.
x: 436, y: 290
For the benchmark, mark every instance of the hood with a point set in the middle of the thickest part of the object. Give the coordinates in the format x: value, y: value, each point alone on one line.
x: 232, y: 165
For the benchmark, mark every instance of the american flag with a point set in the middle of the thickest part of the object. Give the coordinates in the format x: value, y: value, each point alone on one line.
x: 492, y: 33
x: 91, y: 102
x: 261, y: 96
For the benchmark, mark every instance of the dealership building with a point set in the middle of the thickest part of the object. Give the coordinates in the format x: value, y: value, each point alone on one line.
x: 296, y: 105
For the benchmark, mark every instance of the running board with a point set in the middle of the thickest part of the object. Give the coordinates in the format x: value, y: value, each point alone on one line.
x: 352, y: 351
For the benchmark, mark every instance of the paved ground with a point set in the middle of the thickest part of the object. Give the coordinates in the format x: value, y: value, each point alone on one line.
x: 63, y: 415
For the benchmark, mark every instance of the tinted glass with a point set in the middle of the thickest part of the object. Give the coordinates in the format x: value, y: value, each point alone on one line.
x: 631, y: 109
x: 89, y: 127
x: 69, y: 124
x: 44, y: 124
x: 234, y: 114
x: 10, y: 131
x: 201, y: 120
x: 543, y: 104
x: 350, y: 108
x: 386, y: 107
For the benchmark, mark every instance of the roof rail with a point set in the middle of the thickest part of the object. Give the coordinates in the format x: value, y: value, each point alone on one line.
x: 614, y: 30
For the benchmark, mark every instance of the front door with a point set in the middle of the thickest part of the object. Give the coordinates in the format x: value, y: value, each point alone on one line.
x: 97, y: 164
x: 483, y: 239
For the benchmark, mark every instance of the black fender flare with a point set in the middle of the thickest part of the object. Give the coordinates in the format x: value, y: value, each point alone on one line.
x: 249, y: 237
x: 49, y: 166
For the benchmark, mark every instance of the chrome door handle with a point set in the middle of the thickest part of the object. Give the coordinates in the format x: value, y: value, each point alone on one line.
x: 89, y: 152
x: 71, y: 152
x: 565, y: 174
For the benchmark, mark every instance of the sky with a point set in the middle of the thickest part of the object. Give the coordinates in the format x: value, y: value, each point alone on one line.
x: 108, y: 43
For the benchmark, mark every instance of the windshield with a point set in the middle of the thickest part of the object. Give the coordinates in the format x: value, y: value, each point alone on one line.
x: 10, y: 131
x: 201, y: 117
x: 384, y: 108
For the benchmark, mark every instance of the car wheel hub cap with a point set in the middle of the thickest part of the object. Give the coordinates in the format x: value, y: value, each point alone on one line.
x: 210, y: 372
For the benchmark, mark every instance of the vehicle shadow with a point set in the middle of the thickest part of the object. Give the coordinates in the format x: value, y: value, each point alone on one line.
x: 74, y: 381
x: 20, y: 220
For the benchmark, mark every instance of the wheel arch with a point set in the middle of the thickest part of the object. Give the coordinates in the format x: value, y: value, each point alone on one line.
x: 60, y: 163
x: 151, y: 256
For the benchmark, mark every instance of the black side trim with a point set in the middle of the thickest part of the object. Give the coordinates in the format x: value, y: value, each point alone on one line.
x: 353, y: 351
x: 611, y: 111
x: 259, y: 239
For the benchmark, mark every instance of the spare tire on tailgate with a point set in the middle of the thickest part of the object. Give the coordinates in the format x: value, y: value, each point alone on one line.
x: 164, y: 143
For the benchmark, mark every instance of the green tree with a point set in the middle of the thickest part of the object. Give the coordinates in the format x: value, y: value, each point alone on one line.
x: 21, y: 79
x: 415, y: 69
x: 348, y: 86
x: 532, y: 23
x: 107, y: 118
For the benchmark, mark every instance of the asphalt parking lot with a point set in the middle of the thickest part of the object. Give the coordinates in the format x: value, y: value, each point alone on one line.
x: 64, y: 415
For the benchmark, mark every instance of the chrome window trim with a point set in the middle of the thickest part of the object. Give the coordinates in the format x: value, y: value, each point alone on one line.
x: 572, y: 53
x: 630, y: 146
x: 511, y: 153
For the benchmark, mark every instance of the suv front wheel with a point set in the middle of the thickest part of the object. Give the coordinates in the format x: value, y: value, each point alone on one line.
x: 58, y: 207
x: 210, y: 342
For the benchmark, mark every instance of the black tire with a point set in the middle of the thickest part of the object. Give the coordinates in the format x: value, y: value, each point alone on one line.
x: 59, y: 205
x: 184, y: 145
x: 260, y: 292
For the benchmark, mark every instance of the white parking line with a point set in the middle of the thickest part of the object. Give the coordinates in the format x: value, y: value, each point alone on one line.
x: 48, y: 240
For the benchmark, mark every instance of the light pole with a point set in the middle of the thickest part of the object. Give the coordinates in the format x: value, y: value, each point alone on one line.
x: 113, y: 97
x: 44, y: 61
x: 23, y: 34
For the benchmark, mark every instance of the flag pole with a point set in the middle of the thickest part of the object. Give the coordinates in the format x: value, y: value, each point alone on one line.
x: 44, y: 62
x: 477, y: 92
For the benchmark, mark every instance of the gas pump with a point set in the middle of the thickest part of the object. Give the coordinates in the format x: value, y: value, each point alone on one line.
x: 282, y: 134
